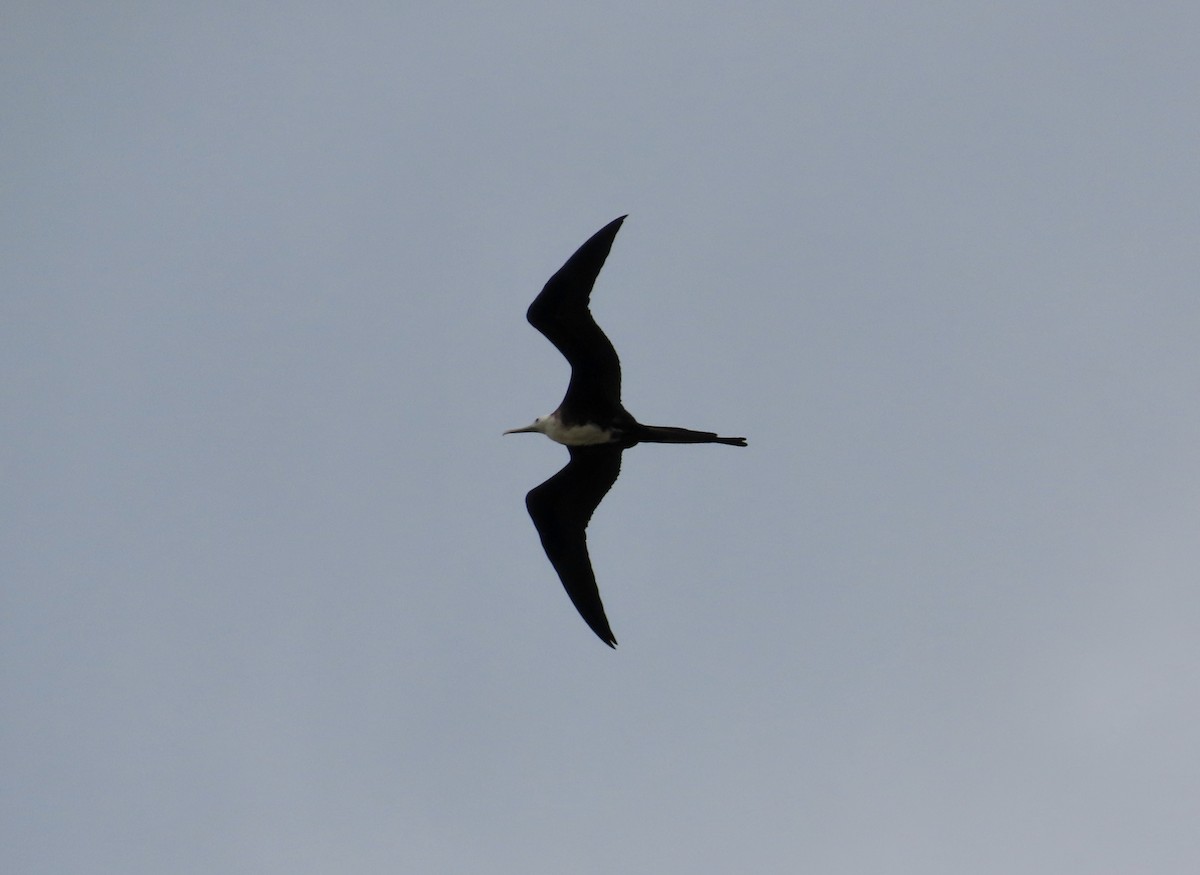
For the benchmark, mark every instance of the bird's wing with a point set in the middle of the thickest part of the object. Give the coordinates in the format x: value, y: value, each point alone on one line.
x: 561, y: 508
x: 561, y: 313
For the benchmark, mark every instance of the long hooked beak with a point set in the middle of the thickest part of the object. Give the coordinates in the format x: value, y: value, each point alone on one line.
x: 529, y: 428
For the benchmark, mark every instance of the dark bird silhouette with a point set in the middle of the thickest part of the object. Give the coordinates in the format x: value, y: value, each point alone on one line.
x: 590, y: 422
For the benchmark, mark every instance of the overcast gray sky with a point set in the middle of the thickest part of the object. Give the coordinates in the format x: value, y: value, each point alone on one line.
x: 271, y: 600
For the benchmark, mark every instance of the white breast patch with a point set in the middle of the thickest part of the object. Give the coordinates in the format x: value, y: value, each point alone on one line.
x: 577, y: 435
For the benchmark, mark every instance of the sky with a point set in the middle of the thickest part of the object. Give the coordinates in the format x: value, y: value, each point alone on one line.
x: 271, y: 602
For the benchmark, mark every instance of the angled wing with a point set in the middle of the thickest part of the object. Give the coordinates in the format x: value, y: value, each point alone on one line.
x: 561, y: 313
x: 561, y: 509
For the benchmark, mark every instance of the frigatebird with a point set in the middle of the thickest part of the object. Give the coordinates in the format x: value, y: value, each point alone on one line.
x: 590, y: 422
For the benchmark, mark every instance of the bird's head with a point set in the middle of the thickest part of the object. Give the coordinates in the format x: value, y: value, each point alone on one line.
x: 538, y: 425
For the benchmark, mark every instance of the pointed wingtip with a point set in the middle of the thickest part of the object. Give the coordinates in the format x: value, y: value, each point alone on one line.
x: 612, y: 227
x: 603, y: 631
x: 598, y: 622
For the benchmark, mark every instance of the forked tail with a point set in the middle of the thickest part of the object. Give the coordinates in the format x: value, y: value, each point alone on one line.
x: 665, y: 434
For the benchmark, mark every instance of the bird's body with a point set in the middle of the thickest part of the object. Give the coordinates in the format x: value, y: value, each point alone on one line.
x: 579, y: 434
x: 590, y: 422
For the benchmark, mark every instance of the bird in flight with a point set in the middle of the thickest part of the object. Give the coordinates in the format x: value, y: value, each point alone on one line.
x: 590, y: 422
